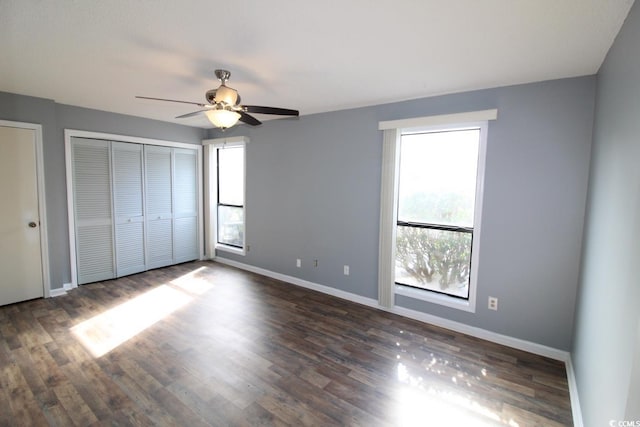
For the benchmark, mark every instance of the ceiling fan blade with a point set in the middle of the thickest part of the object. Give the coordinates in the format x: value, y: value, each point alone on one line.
x: 199, y: 104
x: 270, y: 110
x: 195, y: 113
x: 248, y: 119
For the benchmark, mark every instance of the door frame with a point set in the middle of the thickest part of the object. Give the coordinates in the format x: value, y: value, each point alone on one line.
x: 42, y: 200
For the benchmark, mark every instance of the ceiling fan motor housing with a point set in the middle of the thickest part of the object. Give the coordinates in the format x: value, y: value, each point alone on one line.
x: 226, y: 95
x: 210, y: 95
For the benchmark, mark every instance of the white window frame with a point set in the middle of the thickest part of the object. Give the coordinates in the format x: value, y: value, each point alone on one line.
x: 211, y: 147
x: 393, y: 131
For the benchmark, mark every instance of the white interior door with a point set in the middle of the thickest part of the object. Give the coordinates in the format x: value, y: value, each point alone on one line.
x: 20, y: 256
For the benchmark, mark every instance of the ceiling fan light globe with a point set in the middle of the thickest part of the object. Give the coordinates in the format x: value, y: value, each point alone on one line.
x: 222, y: 118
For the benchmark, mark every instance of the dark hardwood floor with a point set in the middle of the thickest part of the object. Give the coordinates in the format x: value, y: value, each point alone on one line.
x: 205, y: 344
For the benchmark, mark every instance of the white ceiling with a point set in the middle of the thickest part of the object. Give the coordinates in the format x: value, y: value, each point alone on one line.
x: 313, y: 56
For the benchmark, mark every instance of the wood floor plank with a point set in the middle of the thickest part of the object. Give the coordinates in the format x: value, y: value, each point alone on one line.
x: 141, y: 376
x: 247, y: 350
x: 75, y: 405
x: 128, y: 417
x: 145, y: 403
x: 91, y: 390
x: 24, y: 407
x: 56, y: 415
x: 174, y: 405
x: 256, y: 415
x: 202, y: 401
x: 6, y: 414
x: 40, y: 390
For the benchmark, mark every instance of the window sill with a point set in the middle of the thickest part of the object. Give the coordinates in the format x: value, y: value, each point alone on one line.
x: 435, y: 298
x: 231, y: 249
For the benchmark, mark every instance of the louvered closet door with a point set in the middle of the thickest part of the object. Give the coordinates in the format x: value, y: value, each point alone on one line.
x: 185, y: 181
x: 159, y: 202
x: 128, y: 182
x: 92, y: 210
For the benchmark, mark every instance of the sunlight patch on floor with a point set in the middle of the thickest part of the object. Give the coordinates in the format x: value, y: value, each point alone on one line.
x: 106, y: 331
x: 417, y: 407
x: 193, y: 282
x: 420, y: 403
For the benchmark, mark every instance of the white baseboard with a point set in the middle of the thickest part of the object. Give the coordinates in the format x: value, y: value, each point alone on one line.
x: 517, y: 343
x: 300, y: 282
x: 61, y: 291
x: 57, y: 292
x: 473, y: 331
x: 576, y: 410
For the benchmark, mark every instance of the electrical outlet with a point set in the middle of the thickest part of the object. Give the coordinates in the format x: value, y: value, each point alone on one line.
x: 493, y: 303
x: 298, y: 263
x: 346, y: 270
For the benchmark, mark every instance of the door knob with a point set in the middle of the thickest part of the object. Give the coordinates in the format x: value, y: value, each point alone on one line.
x: 33, y: 224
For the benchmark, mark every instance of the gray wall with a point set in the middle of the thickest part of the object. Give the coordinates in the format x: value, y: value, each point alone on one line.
x: 313, y: 192
x: 608, y: 312
x: 54, y: 118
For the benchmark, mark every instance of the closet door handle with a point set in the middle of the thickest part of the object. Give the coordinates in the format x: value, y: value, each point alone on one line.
x: 32, y: 224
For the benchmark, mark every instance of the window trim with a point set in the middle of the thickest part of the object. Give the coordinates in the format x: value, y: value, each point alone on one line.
x: 393, y: 131
x: 211, y: 147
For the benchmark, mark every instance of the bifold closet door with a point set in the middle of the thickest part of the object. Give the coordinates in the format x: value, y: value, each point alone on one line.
x: 159, y: 202
x: 128, y: 206
x: 91, y: 169
x: 135, y: 207
x: 185, y: 211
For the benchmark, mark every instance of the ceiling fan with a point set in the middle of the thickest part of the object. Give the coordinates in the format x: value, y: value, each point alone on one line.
x: 224, y: 109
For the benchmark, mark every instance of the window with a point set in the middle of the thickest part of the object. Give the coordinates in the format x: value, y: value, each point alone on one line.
x: 436, y: 201
x: 231, y: 196
x: 432, y: 179
x: 225, y: 181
